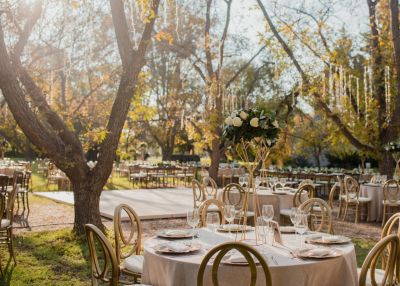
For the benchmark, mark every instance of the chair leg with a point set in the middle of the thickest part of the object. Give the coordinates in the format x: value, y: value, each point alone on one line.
x: 11, y: 245
x: 340, y: 208
x: 384, y: 215
x: 345, y: 212
x: 357, y: 206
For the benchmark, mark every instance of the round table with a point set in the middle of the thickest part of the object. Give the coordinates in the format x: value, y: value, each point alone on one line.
x: 181, y: 270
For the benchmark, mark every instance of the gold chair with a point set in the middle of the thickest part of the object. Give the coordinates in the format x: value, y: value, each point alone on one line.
x: 320, y: 215
x: 342, y: 196
x: 128, y: 247
x: 306, y: 182
x: 332, y: 194
x: 210, y: 188
x: 369, y: 275
x: 106, y: 268
x: 392, y: 225
x: 391, y: 197
x: 234, y: 194
x: 352, y: 197
x: 198, y: 193
x: 302, y: 194
x: 221, y: 250
x: 204, y: 209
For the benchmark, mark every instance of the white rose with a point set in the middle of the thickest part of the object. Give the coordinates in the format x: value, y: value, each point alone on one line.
x: 269, y: 142
x: 243, y: 115
x: 237, y: 122
x: 228, y: 121
x: 254, y: 122
x: 275, y: 124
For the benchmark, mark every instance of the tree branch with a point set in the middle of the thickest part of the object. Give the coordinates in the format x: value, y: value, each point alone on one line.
x: 207, y: 40
x: 224, y: 35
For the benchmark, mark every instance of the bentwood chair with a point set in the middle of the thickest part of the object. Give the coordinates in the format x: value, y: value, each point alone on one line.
x: 352, y: 198
x: 7, y: 219
x: 204, y: 208
x: 306, y: 182
x: 221, y: 250
x: 369, y: 274
x: 332, y: 194
x: 198, y: 193
x: 103, y: 260
x: 391, y: 197
x: 210, y: 188
x: 319, y: 215
x: 128, y: 242
x: 392, y: 226
x: 302, y: 194
x: 24, y: 190
x: 234, y: 194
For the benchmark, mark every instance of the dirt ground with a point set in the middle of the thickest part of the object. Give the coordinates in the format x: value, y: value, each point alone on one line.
x: 46, y: 214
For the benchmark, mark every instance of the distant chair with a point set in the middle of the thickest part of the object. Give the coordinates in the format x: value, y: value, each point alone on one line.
x: 198, y: 193
x: 391, y: 197
x: 306, y: 182
x: 128, y: 247
x: 234, y: 194
x: 369, y: 275
x: 319, y: 215
x: 210, y: 188
x: 352, y: 198
x: 221, y: 250
x: 302, y: 194
x: 206, y: 207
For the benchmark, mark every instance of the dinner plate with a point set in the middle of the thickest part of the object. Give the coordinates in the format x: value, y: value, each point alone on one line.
x: 318, y: 252
x: 287, y: 229
x: 177, y: 248
x: 235, y: 227
x: 175, y: 233
x: 333, y: 239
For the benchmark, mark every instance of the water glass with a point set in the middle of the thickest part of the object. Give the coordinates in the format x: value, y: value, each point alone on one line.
x: 229, y: 214
x: 193, y: 219
x: 293, y: 213
x: 267, y: 213
x: 301, y: 225
x: 213, y: 222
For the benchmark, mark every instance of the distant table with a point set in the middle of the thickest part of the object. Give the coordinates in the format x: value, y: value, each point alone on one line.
x: 181, y: 270
x: 375, y: 192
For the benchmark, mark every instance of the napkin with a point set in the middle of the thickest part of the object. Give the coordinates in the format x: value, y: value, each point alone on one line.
x: 331, y: 238
x: 176, y: 232
x: 236, y: 258
x: 319, y: 252
x: 177, y: 247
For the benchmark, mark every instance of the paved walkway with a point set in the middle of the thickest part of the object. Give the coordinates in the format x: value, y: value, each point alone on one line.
x: 148, y: 203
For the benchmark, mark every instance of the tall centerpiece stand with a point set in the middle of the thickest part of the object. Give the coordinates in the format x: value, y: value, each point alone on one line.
x: 252, y: 133
x: 394, y: 149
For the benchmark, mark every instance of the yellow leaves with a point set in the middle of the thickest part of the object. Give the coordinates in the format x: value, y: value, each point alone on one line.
x: 164, y: 36
x: 75, y: 4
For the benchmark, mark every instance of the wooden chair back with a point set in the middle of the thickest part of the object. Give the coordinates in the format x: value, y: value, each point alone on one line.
x: 306, y: 182
x: 386, y: 247
x: 221, y: 250
x: 210, y: 188
x: 127, y: 245
x: 352, y: 188
x: 203, y: 210
x: 391, y: 191
x: 302, y: 194
x: 198, y: 193
x: 332, y: 194
x: 104, y: 265
x: 233, y: 194
x: 319, y: 215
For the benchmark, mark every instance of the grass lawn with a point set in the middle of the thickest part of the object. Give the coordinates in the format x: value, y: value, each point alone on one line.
x: 58, y: 258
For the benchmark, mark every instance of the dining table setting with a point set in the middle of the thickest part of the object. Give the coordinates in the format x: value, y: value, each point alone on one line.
x: 295, y: 255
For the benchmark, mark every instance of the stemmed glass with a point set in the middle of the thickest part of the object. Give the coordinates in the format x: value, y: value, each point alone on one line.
x: 213, y: 222
x: 193, y: 219
x: 293, y: 213
x: 301, y: 225
x: 229, y: 215
x: 268, y: 214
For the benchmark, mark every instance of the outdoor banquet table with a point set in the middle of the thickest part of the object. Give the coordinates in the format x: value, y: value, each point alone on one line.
x: 181, y: 270
x: 375, y: 192
x: 267, y: 197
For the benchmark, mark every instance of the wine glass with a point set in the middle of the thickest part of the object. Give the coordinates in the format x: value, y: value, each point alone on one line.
x: 293, y: 213
x: 268, y: 213
x: 229, y: 215
x: 257, y: 182
x: 301, y: 225
x: 213, y: 222
x: 241, y: 181
x: 193, y: 219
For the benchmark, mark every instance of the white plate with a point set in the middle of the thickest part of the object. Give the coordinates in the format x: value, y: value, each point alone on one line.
x: 175, y: 233
x: 235, y: 228
x: 318, y: 253
x: 333, y: 239
x: 187, y: 247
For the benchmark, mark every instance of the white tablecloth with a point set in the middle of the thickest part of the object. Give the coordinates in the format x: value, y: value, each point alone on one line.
x: 266, y: 197
x: 375, y: 192
x: 181, y: 270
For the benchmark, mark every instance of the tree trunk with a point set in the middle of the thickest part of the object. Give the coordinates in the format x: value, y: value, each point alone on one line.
x: 215, y: 155
x: 387, y: 164
x: 167, y: 152
x: 87, y: 205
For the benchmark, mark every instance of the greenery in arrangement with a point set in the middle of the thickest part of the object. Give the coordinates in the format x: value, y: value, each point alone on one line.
x: 393, y: 146
x: 249, y: 124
